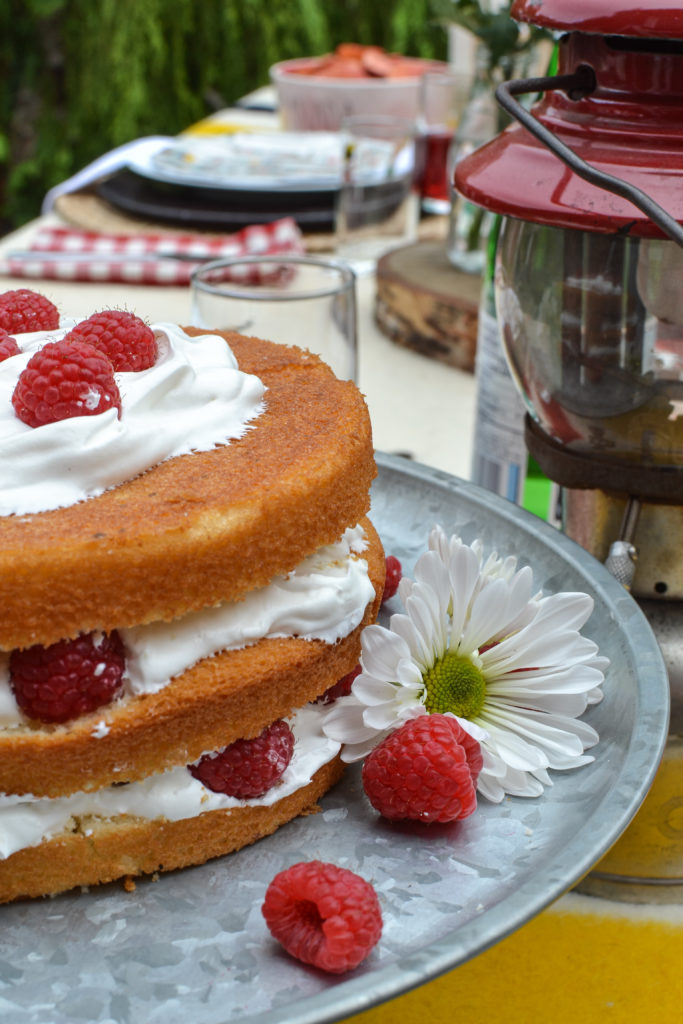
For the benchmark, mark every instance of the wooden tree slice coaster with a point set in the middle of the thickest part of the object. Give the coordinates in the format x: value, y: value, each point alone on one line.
x: 426, y: 304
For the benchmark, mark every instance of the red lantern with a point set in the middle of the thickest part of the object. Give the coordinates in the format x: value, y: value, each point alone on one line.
x: 589, y: 288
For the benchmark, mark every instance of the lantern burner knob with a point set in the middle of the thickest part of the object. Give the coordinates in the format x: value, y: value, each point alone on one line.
x: 622, y: 557
x: 621, y: 562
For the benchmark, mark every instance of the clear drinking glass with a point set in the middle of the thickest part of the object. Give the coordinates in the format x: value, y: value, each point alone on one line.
x: 442, y: 99
x: 377, y: 203
x: 295, y: 300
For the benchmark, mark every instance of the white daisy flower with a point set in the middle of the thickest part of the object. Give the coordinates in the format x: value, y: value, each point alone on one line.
x: 476, y: 643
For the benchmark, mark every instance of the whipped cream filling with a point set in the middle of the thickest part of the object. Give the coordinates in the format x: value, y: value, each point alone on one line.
x: 324, y: 598
x: 172, y: 795
x: 194, y: 398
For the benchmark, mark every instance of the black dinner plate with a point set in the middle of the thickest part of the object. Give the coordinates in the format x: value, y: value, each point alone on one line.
x: 214, y: 209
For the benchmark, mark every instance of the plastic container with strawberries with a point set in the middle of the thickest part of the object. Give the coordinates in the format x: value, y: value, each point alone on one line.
x: 316, y: 93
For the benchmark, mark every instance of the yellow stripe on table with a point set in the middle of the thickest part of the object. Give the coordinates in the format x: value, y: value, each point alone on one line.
x: 583, y: 960
x: 232, y: 122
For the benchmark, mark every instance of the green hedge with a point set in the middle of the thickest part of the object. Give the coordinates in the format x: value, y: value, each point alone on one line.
x: 78, y: 77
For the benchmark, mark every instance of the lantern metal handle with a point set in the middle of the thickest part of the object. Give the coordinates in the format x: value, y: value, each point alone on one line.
x: 581, y: 83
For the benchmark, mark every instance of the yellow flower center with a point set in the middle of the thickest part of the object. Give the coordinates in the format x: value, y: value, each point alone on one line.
x: 454, y: 684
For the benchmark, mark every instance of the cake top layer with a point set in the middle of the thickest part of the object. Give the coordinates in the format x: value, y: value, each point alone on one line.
x: 202, y: 527
x: 193, y: 398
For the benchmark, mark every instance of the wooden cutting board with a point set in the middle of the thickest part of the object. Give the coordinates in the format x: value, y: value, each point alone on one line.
x: 426, y: 304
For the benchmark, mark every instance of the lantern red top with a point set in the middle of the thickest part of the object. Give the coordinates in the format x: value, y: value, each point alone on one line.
x: 653, y: 19
x: 630, y: 126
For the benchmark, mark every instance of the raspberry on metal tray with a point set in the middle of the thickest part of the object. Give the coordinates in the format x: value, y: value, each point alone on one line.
x: 426, y: 770
x: 323, y: 915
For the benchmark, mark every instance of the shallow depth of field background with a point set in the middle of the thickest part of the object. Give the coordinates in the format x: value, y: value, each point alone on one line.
x: 78, y: 77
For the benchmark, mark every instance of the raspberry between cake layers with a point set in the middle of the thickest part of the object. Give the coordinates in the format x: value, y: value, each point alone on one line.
x: 230, y: 521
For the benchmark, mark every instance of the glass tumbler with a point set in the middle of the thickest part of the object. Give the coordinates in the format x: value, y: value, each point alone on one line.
x: 294, y: 300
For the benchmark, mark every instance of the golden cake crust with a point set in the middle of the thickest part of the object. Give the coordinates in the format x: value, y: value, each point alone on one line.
x: 233, y: 695
x: 101, y: 850
x: 198, y: 528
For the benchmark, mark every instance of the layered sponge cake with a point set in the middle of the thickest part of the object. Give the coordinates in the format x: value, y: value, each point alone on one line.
x: 194, y: 551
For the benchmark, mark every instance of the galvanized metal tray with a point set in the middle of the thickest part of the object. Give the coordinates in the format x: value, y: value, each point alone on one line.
x: 192, y: 946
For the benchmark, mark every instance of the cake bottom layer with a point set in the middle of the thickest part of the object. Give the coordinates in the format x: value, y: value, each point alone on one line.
x: 126, y: 846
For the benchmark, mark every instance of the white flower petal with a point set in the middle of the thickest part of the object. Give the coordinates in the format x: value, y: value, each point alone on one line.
x: 586, y: 734
x: 556, y: 679
x: 474, y: 730
x: 524, y: 784
x: 490, y: 611
x: 463, y: 570
x: 390, y: 718
x: 429, y: 628
x: 372, y: 691
x: 496, y: 780
x: 513, y: 750
x: 543, y: 777
x: 438, y: 541
x: 353, y: 752
x: 566, y: 610
x: 522, y: 607
x: 535, y: 647
x: 556, y: 736
x: 408, y: 674
x: 405, y: 587
x: 431, y: 571
x: 494, y: 766
x: 344, y: 722
x: 570, y: 704
x: 416, y: 643
x: 489, y: 787
x: 495, y: 567
x: 382, y: 649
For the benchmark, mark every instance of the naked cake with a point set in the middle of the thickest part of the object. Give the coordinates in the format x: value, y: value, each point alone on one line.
x: 206, y: 535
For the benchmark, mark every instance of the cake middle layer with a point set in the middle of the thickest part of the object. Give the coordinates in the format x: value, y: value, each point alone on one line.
x: 225, y: 695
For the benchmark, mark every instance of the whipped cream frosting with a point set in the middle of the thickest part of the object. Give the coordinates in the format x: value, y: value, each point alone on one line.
x: 172, y: 795
x: 194, y: 398
x: 324, y: 598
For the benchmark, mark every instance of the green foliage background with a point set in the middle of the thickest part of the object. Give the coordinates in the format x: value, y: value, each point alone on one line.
x: 78, y: 77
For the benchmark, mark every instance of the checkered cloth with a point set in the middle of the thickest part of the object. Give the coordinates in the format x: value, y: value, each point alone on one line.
x: 67, y: 254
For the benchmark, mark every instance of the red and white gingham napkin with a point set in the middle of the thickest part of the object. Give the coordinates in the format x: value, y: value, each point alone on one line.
x: 68, y: 254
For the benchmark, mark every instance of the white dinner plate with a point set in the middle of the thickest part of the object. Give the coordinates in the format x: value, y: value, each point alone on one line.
x: 247, y: 161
